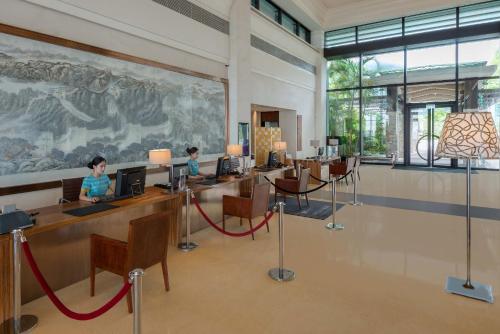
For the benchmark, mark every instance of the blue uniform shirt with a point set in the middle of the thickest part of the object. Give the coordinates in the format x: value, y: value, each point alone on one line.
x: 96, y: 187
x: 194, y: 167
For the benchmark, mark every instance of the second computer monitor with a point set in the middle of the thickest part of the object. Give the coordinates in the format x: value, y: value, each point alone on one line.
x: 272, y: 159
x: 177, y: 173
x: 223, y: 166
x: 130, y: 181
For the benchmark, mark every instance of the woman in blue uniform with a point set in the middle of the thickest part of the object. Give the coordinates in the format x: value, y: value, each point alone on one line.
x: 97, y: 184
x: 193, y: 165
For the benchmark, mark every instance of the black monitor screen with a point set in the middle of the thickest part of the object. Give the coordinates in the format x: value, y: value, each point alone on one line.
x: 130, y: 181
x: 272, y: 159
x: 321, y: 150
x: 177, y: 173
x: 223, y: 166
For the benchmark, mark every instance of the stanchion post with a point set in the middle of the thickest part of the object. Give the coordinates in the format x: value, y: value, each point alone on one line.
x: 188, y: 245
x: 281, y: 274
x: 136, y: 278
x: 355, y: 191
x: 333, y: 225
x: 18, y: 323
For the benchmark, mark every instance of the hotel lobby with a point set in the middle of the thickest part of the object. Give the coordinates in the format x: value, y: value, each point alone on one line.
x: 249, y: 166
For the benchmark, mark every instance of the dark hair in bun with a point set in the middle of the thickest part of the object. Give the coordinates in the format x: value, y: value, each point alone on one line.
x: 191, y: 150
x: 96, y: 161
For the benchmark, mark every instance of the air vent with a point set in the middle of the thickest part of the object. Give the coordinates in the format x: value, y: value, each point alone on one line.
x: 340, y: 37
x: 196, y: 13
x: 380, y: 30
x: 268, y: 48
x: 417, y: 24
x: 478, y: 14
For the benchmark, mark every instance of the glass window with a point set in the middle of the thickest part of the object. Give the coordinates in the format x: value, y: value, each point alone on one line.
x: 417, y: 24
x: 343, y: 73
x: 431, y: 63
x: 383, y: 122
x: 383, y: 69
x: 269, y: 9
x: 288, y: 23
x: 479, y: 59
x: 343, y: 119
x: 380, y: 30
x: 254, y: 3
x: 303, y: 33
x: 480, y: 13
x: 340, y: 37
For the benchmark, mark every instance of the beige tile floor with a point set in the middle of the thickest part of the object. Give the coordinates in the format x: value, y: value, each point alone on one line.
x: 384, y: 273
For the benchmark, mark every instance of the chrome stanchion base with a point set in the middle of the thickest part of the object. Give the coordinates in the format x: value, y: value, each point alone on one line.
x: 355, y: 203
x: 185, y: 247
x: 335, y: 227
x: 28, y: 322
x: 481, y: 291
x: 286, y: 275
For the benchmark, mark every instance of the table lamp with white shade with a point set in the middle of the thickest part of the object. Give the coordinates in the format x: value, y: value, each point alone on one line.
x: 280, y: 146
x: 163, y: 157
x: 469, y: 135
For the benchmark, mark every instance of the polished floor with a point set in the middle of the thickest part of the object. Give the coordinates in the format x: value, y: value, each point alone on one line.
x: 384, y: 273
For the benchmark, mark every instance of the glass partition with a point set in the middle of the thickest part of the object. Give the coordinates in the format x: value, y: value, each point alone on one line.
x: 343, y: 119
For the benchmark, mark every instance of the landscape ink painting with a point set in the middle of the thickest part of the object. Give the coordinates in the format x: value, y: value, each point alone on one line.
x: 60, y: 106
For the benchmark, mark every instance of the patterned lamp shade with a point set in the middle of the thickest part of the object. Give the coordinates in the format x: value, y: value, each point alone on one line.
x: 468, y: 135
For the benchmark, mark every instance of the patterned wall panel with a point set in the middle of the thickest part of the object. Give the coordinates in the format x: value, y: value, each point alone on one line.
x: 264, y: 139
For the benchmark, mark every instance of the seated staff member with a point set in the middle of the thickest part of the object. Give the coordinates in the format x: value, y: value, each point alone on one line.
x: 193, y: 165
x: 97, y: 184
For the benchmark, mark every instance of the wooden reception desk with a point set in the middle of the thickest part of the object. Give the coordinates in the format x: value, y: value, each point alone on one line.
x: 60, y: 242
x: 316, y: 167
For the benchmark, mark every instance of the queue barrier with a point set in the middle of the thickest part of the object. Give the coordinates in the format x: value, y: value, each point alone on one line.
x: 135, y: 281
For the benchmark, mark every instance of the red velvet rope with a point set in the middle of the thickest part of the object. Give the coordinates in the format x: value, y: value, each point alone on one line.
x: 231, y: 234
x: 57, y: 302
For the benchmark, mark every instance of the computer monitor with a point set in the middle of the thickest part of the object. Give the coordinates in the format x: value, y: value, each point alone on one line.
x: 177, y: 173
x: 272, y: 159
x: 321, y: 150
x: 130, y: 181
x: 223, y: 166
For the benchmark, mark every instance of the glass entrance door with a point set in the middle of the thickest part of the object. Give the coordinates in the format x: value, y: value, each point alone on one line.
x: 426, y: 124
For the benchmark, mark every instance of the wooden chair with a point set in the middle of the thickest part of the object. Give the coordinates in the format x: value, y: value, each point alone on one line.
x: 147, y: 245
x: 71, y: 190
x: 343, y: 169
x: 293, y: 185
x: 245, y: 207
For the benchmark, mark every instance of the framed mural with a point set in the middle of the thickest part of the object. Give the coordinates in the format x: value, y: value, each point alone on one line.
x: 62, y: 102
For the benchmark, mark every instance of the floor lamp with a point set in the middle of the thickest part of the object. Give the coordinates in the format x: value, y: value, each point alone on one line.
x: 469, y: 135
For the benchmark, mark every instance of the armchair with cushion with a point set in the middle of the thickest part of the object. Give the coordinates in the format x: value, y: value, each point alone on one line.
x: 293, y: 185
x: 247, y: 207
x: 342, y: 169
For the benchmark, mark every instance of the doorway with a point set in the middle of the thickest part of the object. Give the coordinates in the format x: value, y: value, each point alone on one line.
x: 426, y: 124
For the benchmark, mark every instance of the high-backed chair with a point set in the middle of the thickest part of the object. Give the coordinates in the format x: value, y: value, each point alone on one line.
x: 71, y: 189
x: 247, y: 207
x: 147, y: 245
x: 291, y: 186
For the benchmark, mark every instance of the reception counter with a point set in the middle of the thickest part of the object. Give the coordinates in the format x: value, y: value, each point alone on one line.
x: 60, y: 242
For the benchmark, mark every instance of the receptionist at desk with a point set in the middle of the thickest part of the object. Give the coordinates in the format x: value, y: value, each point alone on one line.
x: 193, y: 165
x: 97, y: 184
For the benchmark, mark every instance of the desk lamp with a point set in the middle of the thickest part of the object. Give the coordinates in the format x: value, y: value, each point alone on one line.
x: 469, y: 135
x: 315, y: 143
x: 163, y: 157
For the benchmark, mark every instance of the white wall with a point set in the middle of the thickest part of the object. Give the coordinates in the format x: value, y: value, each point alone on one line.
x: 280, y: 84
x: 145, y: 29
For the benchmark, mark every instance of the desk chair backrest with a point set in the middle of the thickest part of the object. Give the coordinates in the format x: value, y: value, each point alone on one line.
x: 71, y: 189
x: 260, y: 198
x: 148, y: 240
x: 304, y: 179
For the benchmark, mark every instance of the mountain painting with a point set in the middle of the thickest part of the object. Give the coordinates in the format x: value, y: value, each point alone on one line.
x: 59, y: 107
